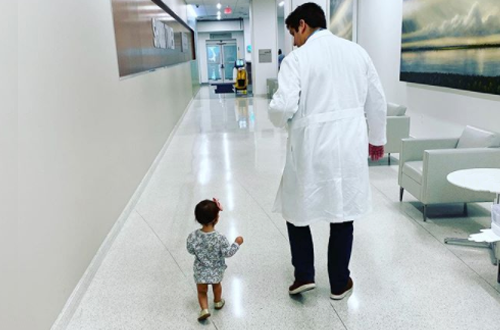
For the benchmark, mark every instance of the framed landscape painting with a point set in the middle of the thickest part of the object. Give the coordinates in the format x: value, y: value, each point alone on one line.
x: 343, y: 19
x: 453, y: 44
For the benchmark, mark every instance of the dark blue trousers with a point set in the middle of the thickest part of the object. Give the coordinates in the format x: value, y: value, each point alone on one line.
x: 339, y: 253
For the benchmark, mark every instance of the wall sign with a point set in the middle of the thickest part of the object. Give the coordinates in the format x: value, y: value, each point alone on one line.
x: 163, y: 35
x: 265, y: 56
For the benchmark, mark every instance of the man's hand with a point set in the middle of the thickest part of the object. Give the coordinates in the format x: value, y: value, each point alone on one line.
x: 239, y: 240
x: 375, y: 152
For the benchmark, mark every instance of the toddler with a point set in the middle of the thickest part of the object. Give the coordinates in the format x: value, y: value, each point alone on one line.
x: 210, y: 249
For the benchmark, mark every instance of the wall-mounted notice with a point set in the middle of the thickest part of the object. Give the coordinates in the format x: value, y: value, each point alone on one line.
x: 265, y: 56
x: 170, y: 37
x: 184, y: 42
x: 149, y: 35
x: 163, y: 35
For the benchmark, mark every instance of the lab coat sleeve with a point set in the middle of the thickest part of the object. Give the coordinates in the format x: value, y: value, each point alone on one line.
x: 375, y: 107
x: 285, y: 101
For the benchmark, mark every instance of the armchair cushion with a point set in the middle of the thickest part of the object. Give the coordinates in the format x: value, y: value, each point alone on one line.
x: 394, y: 109
x: 414, y: 170
x: 473, y: 137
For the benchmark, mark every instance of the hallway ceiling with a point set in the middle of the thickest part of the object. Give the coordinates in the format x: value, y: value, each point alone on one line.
x: 207, y: 9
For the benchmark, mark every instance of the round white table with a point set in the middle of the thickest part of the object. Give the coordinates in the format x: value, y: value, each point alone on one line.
x: 478, y: 179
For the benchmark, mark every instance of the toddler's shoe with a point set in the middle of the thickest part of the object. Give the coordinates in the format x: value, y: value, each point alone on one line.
x: 220, y: 304
x: 204, y: 314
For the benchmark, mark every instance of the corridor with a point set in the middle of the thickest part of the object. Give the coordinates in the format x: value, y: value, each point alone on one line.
x: 225, y: 147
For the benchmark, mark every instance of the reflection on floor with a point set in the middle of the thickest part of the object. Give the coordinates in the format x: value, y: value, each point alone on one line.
x: 405, y: 277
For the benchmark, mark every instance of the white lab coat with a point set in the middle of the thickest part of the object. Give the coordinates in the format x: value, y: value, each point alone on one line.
x: 326, y: 88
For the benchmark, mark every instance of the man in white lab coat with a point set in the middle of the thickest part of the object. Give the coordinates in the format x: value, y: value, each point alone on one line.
x: 328, y: 91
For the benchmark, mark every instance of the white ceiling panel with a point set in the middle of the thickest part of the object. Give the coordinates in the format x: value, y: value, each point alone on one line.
x: 207, y: 9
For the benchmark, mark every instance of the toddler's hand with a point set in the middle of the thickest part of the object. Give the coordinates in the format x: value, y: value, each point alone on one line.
x: 239, y: 240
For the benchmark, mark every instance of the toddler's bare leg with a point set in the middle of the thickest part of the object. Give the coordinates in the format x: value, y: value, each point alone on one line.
x: 217, y: 292
x: 202, y: 295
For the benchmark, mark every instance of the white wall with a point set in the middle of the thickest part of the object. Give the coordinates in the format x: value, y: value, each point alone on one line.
x: 264, y: 36
x: 179, y: 7
x: 220, y: 26
x: 281, y: 34
x: 86, y: 139
x: 8, y: 165
x: 434, y: 111
x: 248, y: 38
x: 288, y: 40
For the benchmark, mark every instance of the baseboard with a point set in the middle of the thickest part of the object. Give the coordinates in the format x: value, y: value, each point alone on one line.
x: 81, y: 288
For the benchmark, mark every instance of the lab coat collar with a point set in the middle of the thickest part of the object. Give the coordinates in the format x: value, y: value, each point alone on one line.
x: 318, y: 34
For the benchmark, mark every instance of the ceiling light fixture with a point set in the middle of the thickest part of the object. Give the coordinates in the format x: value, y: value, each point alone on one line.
x: 281, y: 4
x: 219, y: 5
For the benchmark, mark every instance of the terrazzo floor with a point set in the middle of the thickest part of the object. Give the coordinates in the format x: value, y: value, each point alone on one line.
x: 405, y: 277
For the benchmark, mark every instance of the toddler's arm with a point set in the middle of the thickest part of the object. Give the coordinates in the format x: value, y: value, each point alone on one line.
x: 228, y: 250
x: 190, y: 244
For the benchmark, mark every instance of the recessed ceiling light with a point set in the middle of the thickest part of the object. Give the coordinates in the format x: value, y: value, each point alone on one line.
x: 281, y: 4
x: 219, y: 5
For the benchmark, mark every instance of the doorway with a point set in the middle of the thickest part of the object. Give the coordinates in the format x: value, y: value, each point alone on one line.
x: 221, y: 57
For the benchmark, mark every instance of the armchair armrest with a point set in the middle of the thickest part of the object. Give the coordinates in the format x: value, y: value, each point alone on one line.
x: 438, y: 164
x: 413, y: 149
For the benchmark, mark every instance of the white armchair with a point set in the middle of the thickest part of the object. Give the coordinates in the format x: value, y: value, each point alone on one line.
x: 425, y: 163
x: 398, y: 128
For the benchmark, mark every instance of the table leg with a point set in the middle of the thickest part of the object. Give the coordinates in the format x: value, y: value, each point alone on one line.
x: 466, y: 242
x: 493, y: 256
x: 490, y: 246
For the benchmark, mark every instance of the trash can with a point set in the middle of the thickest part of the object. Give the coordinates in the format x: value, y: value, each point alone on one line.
x: 272, y: 87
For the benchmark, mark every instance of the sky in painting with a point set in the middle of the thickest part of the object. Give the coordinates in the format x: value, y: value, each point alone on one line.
x: 461, y: 20
x: 341, y: 12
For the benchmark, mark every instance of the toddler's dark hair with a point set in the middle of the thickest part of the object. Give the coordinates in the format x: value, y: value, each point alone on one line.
x: 206, y: 211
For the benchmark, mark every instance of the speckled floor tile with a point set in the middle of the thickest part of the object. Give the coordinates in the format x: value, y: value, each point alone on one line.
x: 405, y: 276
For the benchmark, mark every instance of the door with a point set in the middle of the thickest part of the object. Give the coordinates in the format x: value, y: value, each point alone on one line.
x: 229, y: 60
x: 221, y: 56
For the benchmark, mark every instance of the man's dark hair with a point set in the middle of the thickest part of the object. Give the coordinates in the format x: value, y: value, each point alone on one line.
x: 206, y: 211
x: 310, y: 12
x: 279, y: 51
